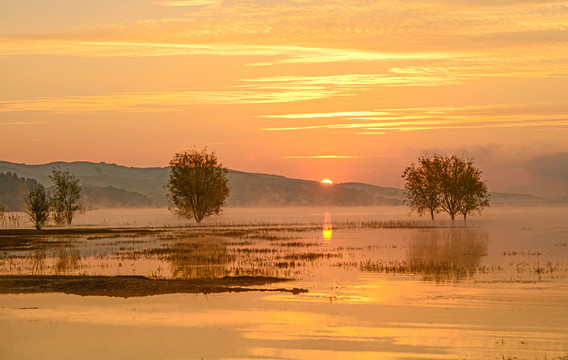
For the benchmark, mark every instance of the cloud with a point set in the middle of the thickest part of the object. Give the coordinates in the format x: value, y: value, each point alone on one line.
x: 325, y: 115
x: 551, y: 167
x: 159, y: 101
x: 323, y: 157
x: 286, y: 54
x: 188, y: 3
x: 526, y: 169
x: 406, y: 26
x: 22, y: 123
x: 379, y: 122
x: 354, y: 81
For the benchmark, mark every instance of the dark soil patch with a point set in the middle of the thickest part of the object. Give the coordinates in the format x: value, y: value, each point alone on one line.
x: 18, y: 239
x: 77, y: 231
x: 133, y: 286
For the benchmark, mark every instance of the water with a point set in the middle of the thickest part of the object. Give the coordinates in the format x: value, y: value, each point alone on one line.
x: 496, y: 289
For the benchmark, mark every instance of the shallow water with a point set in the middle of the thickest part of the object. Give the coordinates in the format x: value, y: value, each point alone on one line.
x: 494, y: 289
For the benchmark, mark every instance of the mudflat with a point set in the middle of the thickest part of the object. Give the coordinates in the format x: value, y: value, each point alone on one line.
x: 131, y: 286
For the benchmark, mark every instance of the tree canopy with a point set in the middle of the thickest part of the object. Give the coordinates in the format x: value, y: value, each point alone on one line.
x: 37, y: 206
x: 198, y: 185
x: 445, y: 183
x: 66, y: 195
x: 423, y: 194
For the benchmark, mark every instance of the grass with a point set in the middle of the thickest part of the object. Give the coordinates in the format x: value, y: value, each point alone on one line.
x: 294, y: 251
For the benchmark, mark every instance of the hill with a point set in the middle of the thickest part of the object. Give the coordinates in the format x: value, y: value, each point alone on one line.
x: 13, y: 190
x: 252, y: 189
x: 145, y: 181
x: 247, y: 189
x: 115, y: 185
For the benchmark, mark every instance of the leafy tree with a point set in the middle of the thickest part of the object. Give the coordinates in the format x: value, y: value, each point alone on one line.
x: 445, y: 183
x: 451, y: 184
x: 462, y: 189
x: 66, y: 196
x: 423, y: 193
x: 198, y: 185
x: 38, y: 206
x: 476, y: 195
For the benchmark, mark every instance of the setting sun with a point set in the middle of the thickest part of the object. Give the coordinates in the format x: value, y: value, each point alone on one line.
x: 326, y: 181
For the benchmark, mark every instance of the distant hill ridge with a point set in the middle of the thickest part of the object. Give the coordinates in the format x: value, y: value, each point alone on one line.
x: 145, y: 186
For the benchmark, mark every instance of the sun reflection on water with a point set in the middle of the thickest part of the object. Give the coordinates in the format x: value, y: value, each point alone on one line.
x: 327, y: 227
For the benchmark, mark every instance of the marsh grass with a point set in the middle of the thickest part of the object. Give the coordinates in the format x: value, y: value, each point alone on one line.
x: 437, y: 271
x: 432, y: 252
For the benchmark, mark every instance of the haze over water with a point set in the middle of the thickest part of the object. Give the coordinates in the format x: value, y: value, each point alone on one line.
x: 496, y: 288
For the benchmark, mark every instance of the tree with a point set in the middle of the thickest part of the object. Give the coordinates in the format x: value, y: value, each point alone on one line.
x: 476, y: 196
x: 445, y: 183
x: 462, y: 189
x: 66, y: 197
x: 423, y: 193
x: 37, y: 206
x: 450, y: 183
x: 198, y: 185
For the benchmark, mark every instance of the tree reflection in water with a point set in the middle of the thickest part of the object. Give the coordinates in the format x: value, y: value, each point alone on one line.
x: 68, y: 261
x: 448, y: 254
x: 37, y: 257
x: 199, y: 258
x: 440, y: 255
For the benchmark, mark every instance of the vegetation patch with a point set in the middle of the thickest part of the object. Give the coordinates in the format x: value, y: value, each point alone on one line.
x: 78, y: 231
x: 134, y: 286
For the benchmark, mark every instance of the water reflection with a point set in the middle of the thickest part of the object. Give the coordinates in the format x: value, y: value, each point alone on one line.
x: 440, y: 255
x: 327, y: 227
x: 68, y: 261
x: 202, y: 257
x: 37, y: 258
x: 447, y: 255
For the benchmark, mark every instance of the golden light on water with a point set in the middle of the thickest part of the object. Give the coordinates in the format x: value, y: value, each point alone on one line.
x: 327, y: 227
x: 326, y: 181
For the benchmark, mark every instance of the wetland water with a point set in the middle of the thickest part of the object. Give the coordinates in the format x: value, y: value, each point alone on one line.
x: 381, y: 285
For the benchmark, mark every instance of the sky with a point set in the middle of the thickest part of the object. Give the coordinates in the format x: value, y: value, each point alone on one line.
x: 345, y: 90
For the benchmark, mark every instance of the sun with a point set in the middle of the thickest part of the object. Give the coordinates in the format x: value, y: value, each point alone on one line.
x: 326, y: 181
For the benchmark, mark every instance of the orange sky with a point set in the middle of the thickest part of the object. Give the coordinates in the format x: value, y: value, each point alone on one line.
x: 346, y: 90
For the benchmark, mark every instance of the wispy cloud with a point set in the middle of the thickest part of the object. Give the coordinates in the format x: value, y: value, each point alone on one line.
x: 187, y: 3
x: 393, y: 25
x: 286, y: 54
x: 158, y: 101
x: 326, y: 115
x: 22, y: 123
x: 323, y: 157
x: 537, y: 116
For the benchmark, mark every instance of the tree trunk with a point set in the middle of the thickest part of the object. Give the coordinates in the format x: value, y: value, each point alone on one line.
x: 432, y: 214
